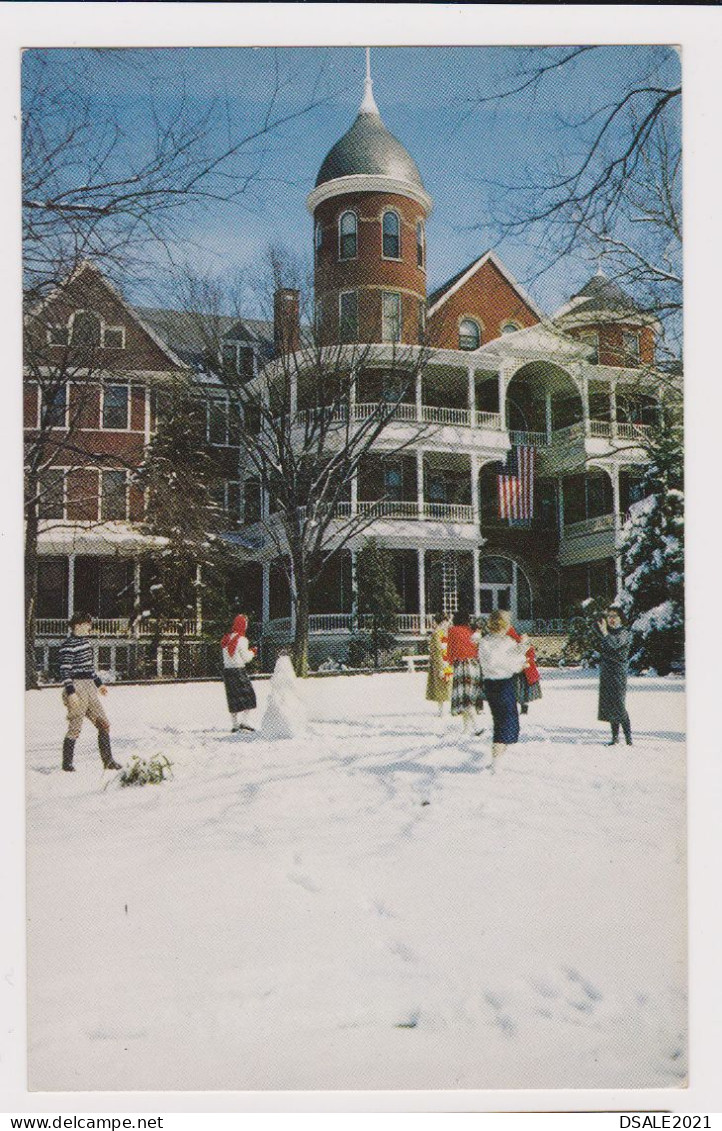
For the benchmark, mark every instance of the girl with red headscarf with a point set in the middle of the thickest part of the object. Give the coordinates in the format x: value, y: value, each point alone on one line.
x: 239, y: 690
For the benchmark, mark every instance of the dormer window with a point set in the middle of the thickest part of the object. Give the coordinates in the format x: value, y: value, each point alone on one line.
x: 420, y: 244
x: 238, y: 359
x: 391, y: 226
x: 348, y: 235
x: 469, y: 334
x: 509, y: 328
x: 87, y: 329
x: 630, y: 345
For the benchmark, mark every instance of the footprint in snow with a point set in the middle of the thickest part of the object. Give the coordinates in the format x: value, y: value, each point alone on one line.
x: 304, y: 881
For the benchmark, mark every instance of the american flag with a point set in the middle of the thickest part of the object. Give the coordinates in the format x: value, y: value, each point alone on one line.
x: 516, y: 485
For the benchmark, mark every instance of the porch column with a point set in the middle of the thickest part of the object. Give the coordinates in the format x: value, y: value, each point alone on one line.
x: 419, y: 390
x: 420, y: 482
x: 474, y: 463
x: 293, y: 602
x: 617, y: 525
x: 471, y: 374
x: 502, y: 399
x: 265, y: 508
x: 199, y: 601
x: 71, y: 584
x: 354, y: 590
x: 353, y: 377
x: 265, y: 592
x: 293, y: 395
x: 136, y: 597
x: 421, y: 556
x: 613, y: 408
x: 560, y: 503
x: 354, y: 493
x: 476, y: 573
x: 549, y: 418
x: 585, y: 403
x: 146, y: 416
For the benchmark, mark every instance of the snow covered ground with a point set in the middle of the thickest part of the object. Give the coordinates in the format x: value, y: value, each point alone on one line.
x: 372, y: 907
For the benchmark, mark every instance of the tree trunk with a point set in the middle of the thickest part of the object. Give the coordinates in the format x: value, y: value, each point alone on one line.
x: 300, y: 639
x: 31, y: 590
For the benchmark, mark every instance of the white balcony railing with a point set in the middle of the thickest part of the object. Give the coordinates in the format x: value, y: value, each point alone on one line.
x: 431, y: 414
x: 117, y: 626
x: 430, y: 512
x: 633, y: 431
x: 602, y: 524
x: 530, y: 439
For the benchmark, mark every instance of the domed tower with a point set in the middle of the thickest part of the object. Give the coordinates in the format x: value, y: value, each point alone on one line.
x: 369, y: 208
x: 603, y: 315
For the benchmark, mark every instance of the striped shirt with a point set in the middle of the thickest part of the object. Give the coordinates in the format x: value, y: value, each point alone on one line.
x: 76, y: 662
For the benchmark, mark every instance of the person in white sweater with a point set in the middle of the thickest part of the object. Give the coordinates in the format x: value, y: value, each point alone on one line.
x: 237, y: 653
x: 501, y: 659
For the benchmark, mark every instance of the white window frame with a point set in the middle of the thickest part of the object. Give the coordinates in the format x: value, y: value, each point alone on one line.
x: 118, y: 471
x: 66, y: 416
x: 318, y: 238
x: 341, y: 296
x: 636, y: 355
x: 347, y: 258
x: 64, y: 472
x: 399, y: 317
x: 114, y: 385
x: 225, y: 403
x: 421, y: 244
x: 509, y: 326
x: 479, y: 330
x: 591, y: 338
x: 391, y: 212
x: 106, y: 329
x: 422, y: 317
x: 86, y: 310
x: 239, y: 345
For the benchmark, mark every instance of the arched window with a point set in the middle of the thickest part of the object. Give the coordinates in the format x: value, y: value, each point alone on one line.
x: 391, y: 235
x: 318, y: 237
x: 87, y: 328
x: 347, y: 235
x: 510, y: 328
x: 420, y: 243
x: 469, y: 334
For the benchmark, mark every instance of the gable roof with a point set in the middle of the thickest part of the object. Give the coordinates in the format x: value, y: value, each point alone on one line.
x: 183, y: 331
x: 442, y: 293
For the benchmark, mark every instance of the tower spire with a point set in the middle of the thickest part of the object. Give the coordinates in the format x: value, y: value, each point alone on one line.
x: 368, y: 106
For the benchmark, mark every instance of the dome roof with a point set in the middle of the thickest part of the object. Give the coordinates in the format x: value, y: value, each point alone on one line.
x: 368, y: 149
x: 600, y: 295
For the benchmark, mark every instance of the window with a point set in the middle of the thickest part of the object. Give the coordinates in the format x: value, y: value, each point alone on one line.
x: 58, y: 335
x: 630, y: 343
x: 234, y: 502
x: 218, y: 422
x: 114, y: 337
x: 116, y: 402
x: 252, y: 501
x: 391, y: 226
x: 86, y: 328
x: 420, y: 244
x: 348, y: 316
x: 422, y: 319
x: 238, y: 359
x: 391, y: 316
x: 55, y: 407
x: 51, y: 493
x: 510, y: 328
x: 591, y: 338
x: 318, y: 238
x: 469, y: 334
x: 436, y: 487
x: 347, y: 236
x: 393, y: 482
x: 113, y: 496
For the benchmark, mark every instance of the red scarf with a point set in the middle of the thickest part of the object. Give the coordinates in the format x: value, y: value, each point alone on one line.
x: 532, y: 673
x: 230, y: 640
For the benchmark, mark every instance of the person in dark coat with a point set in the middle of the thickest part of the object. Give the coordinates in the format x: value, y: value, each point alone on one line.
x: 237, y: 653
x: 614, y: 642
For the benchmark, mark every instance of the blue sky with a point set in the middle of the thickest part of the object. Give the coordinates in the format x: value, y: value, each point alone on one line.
x: 426, y: 97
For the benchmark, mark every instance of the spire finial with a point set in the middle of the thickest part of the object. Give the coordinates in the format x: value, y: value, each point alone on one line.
x: 368, y: 106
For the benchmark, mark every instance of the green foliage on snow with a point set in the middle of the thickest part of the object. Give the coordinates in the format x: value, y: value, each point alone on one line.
x: 141, y: 772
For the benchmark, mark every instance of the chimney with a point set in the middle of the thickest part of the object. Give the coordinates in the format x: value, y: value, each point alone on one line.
x: 286, y: 320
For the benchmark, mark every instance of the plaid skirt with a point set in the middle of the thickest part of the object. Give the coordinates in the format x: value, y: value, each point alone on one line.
x: 527, y: 692
x: 467, y: 690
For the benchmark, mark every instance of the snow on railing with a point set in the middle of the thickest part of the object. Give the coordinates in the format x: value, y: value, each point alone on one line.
x: 118, y: 626
x: 603, y: 523
x: 633, y: 431
x: 571, y: 432
x: 600, y: 429
x: 490, y: 420
x: 433, y: 414
x: 448, y: 512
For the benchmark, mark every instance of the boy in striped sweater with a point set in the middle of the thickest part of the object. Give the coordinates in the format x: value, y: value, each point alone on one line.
x: 82, y: 687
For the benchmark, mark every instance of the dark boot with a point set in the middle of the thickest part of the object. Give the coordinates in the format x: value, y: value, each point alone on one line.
x: 627, y: 728
x: 104, y: 748
x: 524, y: 708
x: 615, y: 734
x: 68, y: 750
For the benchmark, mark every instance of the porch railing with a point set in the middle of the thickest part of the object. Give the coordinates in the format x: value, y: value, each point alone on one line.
x: 117, y: 626
x: 387, y: 508
x: 602, y: 524
x: 531, y: 439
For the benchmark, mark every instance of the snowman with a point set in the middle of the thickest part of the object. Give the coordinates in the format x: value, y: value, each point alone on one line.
x: 286, y: 715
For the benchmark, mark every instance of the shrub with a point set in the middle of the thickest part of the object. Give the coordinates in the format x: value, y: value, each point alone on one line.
x: 140, y: 772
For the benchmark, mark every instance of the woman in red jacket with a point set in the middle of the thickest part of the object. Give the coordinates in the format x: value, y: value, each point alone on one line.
x: 528, y: 682
x: 467, y: 693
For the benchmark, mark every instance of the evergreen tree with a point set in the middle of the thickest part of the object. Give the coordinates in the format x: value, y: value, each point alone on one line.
x: 378, y: 597
x: 180, y: 477
x: 653, y: 553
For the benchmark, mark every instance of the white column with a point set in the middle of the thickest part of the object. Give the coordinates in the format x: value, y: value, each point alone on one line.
x: 146, y: 422
x: 293, y: 392
x: 617, y: 525
x: 560, y: 504
x: 199, y: 601
x: 265, y: 508
x: 420, y: 481
x: 502, y: 399
x: 471, y: 372
x: 353, y: 377
x: 549, y: 417
x: 476, y: 573
x: 71, y: 584
x: 354, y: 493
x: 585, y: 403
x: 613, y: 408
x: 421, y: 556
x: 136, y: 597
x: 265, y: 592
x: 354, y: 590
x: 293, y: 602
x: 419, y: 396
x: 474, y: 463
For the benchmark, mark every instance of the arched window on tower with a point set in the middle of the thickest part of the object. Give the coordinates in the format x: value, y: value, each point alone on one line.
x: 469, y: 334
x: 347, y: 235
x: 318, y: 237
x: 391, y: 235
x: 420, y: 244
